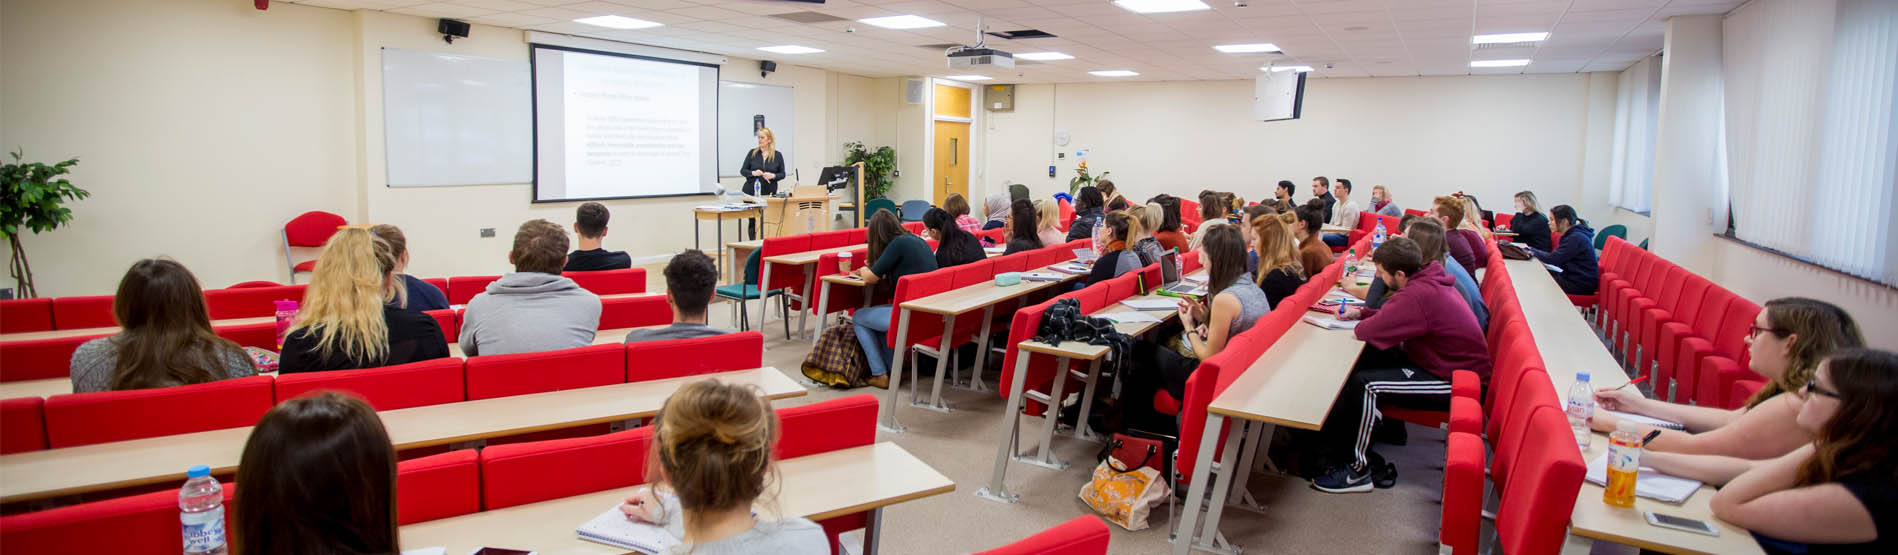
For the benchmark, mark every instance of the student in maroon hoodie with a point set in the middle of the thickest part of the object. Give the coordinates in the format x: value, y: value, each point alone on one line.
x: 1422, y: 334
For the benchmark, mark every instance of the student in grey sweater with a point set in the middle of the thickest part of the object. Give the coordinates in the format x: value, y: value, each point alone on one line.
x: 533, y: 309
x: 691, y: 279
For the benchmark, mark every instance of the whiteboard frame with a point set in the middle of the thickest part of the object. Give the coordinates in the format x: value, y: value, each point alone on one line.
x: 388, y: 162
x: 533, y: 94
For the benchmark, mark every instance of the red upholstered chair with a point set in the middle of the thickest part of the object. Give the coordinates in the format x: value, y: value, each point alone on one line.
x: 1693, y: 319
x: 674, y: 358
x: 1040, y: 370
x: 1067, y: 212
x: 1718, y: 372
x: 914, y: 227
x: 1415, y: 212
x: 1666, y: 292
x: 87, y: 418
x: 439, y: 283
x: 1736, y: 396
x: 824, y: 427
x: 1534, y: 513
x: 837, y: 299
x: 1084, y: 535
x: 522, y: 373
x: 254, y: 283
x: 262, y: 335
x: 135, y: 525
x: 522, y: 473
x: 25, y: 315
x: 610, y: 282
x: 1534, y: 394
x: 831, y: 239
x: 1462, y: 518
x: 249, y: 302
x: 1691, y: 350
x: 71, y: 313
x: 462, y: 288
x: 449, y: 320
x: 858, y: 235
x: 438, y: 486
x: 22, y: 425
x: 1684, y: 303
x: 1502, y: 220
x: 633, y: 312
x: 38, y: 359
x: 309, y: 230
x: 430, y: 382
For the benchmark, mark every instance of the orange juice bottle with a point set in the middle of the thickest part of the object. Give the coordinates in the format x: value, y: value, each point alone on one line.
x: 1624, y: 465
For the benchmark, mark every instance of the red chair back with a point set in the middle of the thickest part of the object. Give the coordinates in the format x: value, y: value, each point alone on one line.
x: 1041, y: 368
x: 912, y: 287
x: 632, y: 312
x: 249, y: 302
x: 262, y: 335
x: 1067, y: 212
x: 438, y: 486
x: 784, y: 276
x: 674, y: 358
x: 1502, y: 220
x: 39, y: 359
x: 858, y: 235
x: 22, y: 425
x: 522, y: 373
x: 312, y: 229
x: 606, y: 282
x: 1533, y: 393
x: 1084, y: 535
x: 439, y: 283
x: 462, y: 288
x: 94, y: 311
x: 1536, y: 503
x: 915, y: 228
x: 449, y: 320
x: 973, y: 273
x: 522, y: 473
x: 827, y: 426
x: 416, y: 384
x: 1017, y: 262
x: 135, y: 525
x: 830, y: 239
x: 24, y: 315
x: 88, y: 418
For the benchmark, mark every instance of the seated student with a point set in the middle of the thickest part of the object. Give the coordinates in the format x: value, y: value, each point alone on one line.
x: 589, y: 222
x: 1249, y: 216
x: 1282, y: 197
x: 691, y: 280
x: 1465, y: 246
x: 1343, y: 214
x: 997, y: 205
x: 1838, y: 493
x: 1212, y: 213
x: 958, y: 209
x: 1785, y: 344
x: 1475, y: 218
x: 1364, y: 291
x: 1313, y: 253
x: 1382, y: 205
x: 1116, y: 259
x: 891, y: 254
x: 166, y: 338
x: 1110, y: 196
x: 1575, y: 255
x: 1280, y: 273
x: 1429, y: 237
x: 1236, y: 305
x: 711, y: 461
x: 1529, y: 225
x: 1146, y: 219
x: 345, y: 321
x: 318, y: 475
x: 1048, y: 223
x: 534, y: 308
x: 415, y: 294
x: 1321, y: 190
x: 1087, y: 211
x: 1421, y: 335
x: 1022, y: 235
x: 1168, y: 232
x: 954, y: 247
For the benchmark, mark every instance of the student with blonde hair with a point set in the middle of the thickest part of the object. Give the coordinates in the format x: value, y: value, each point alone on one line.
x: 1529, y: 224
x: 345, y: 320
x: 1146, y: 219
x: 1279, y: 270
x: 1048, y: 223
x: 711, y: 462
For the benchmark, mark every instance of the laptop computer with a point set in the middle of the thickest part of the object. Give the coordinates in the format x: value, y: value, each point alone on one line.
x: 1170, y: 282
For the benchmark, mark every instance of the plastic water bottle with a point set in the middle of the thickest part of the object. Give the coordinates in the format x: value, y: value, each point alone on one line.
x: 1581, y: 410
x: 1351, y: 262
x: 201, y: 509
x: 1624, y: 464
x: 1377, y: 236
x: 1100, y: 228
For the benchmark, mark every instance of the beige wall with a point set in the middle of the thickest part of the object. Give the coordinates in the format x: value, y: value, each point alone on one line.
x: 203, y: 125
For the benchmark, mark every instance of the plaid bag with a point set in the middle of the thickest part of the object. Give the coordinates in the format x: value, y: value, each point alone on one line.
x: 838, y: 360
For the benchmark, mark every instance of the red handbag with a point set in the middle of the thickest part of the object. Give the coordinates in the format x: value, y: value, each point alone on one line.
x: 1134, y: 452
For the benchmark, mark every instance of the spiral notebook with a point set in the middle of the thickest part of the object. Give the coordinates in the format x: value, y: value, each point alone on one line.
x: 612, y: 528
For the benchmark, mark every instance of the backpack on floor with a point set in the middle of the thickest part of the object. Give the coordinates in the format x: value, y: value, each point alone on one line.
x: 838, y: 360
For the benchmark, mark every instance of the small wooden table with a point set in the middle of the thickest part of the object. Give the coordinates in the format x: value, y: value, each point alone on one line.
x: 808, y: 261
x: 718, y: 213
x: 103, y: 466
x: 820, y: 486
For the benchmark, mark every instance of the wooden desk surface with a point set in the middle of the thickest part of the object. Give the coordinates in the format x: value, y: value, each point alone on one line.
x: 109, y: 330
x: 1595, y: 519
x: 1328, y: 228
x: 815, y: 487
x: 602, y: 337
x: 1295, y: 381
x: 39, y: 474
x: 1085, y: 351
x: 753, y: 244
x: 36, y: 388
x: 808, y: 257
x: 974, y: 297
x: 1567, y: 342
x: 704, y: 213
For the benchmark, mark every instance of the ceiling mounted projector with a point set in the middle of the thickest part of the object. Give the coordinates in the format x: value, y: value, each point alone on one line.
x: 979, y: 55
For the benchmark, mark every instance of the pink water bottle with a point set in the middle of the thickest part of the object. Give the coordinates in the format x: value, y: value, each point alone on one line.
x: 286, y: 312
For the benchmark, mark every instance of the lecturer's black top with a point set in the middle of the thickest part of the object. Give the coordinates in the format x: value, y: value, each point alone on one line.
x: 755, y: 161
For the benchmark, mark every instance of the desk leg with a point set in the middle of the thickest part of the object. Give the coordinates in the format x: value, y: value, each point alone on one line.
x: 720, y: 261
x: 764, y: 280
x: 889, y: 423
x: 819, y: 332
x: 804, y: 302
x: 1184, y: 533
x: 945, y: 361
x: 873, y: 531
x: 1257, y: 435
x: 982, y: 350
x: 1081, y: 429
x: 1044, y: 454
x: 997, y: 491
x: 1209, y: 538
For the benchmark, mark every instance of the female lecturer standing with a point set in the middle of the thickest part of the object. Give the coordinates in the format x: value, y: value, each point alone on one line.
x: 762, y: 170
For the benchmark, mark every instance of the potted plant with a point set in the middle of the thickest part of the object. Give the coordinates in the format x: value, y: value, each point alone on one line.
x: 876, y: 165
x: 32, y: 197
x: 1083, y: 179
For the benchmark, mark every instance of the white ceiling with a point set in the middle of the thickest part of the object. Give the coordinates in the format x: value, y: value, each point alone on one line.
x: 1340, y: 38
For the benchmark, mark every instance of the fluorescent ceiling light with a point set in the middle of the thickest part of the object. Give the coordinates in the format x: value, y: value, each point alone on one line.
x: 617, y: 22
x: 1498, y: 63
x: 902, y: 22
x: 969, y: 77
x: 1253, y: 48
x: 1276, y: 69
x: 1044, y: 56
x: 790, y: 49
x: 1113, y: 73
x: 1161, y: 6
x: 1508, y: 38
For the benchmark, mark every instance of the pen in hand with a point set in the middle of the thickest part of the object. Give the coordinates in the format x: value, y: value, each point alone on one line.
x: 1631, y: 382
x: 1651, y: 436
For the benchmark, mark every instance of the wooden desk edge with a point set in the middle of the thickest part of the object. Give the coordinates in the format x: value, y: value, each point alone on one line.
x: 1057, y: 350
x: 881, y: 503
x: 1271, y: 419
x: 1632, y: 541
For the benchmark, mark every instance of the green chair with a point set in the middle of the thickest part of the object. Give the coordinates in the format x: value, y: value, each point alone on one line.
x: 1017, y: 192
x: 1644, y: 244
x: 870, y: 208
x: 740, y: 293
x: 1616, y: 230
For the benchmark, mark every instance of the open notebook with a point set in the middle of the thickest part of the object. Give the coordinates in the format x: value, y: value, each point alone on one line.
x: 612, y: 528
x: 1650, y: 483
x: 1651, y: 421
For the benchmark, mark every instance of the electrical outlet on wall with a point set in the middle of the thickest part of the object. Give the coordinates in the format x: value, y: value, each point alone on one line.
x: 487, y: 232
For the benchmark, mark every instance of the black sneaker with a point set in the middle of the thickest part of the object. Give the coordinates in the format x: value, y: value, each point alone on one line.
x: 1343, y: 479
x: 1384, y: 476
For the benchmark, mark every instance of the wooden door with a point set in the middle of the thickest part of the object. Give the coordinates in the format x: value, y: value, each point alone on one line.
x: 952, y: 159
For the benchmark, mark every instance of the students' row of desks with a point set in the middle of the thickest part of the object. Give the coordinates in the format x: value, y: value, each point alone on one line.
x: 1568, y: 346
x: 825, y: 485
x: 71, y: 470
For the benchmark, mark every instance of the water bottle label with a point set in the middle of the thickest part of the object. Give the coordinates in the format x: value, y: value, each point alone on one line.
x: 204, y: 531
x: 1623, y: 458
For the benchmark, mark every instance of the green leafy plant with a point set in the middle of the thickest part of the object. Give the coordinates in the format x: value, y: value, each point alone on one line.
x: 1083, y: 179
x: 876, y: 167
x: 32, y: 197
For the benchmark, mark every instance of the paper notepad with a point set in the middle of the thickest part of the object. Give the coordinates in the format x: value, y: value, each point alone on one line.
x: 1651, y: 421
x: 1649, y: 483
x: 1151, y: 304
x: 1330, y: 323
x: 1040, y: 276
x: 1131, y: 317
x: 614, y: 529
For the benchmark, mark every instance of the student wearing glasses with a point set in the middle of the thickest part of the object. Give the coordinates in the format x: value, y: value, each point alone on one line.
x: 1787, y: 341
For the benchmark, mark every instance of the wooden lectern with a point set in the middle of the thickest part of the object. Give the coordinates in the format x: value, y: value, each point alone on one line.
x: 806, y: 210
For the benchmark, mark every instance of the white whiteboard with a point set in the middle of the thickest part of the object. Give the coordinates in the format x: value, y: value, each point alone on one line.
x: 449, y: 119
x: 737, y: 104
